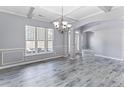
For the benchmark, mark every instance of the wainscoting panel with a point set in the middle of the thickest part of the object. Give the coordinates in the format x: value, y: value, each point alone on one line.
x: 12, y: 56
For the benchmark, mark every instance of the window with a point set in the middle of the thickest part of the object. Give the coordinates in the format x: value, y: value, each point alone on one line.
x: 38, y: 40
x: 50, y: 40
x: 30, y: 39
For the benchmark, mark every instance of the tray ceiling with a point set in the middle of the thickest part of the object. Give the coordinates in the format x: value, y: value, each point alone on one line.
x: 52, y: 13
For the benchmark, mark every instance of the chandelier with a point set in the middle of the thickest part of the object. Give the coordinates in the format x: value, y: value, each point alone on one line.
x: 62, y: 25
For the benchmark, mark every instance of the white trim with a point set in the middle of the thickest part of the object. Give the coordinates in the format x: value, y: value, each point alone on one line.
x: 46, y: 29
x: 94, y: 14
x: 11, y: 49
x: 13, y: 13
x: 14, y: 50
x: 109, y: 57
x: 88, y: 31
x: 72, y: 58
x: 3, y: 63
x: 2, y: 58
x: 33, y: 54
x: 28, y: 62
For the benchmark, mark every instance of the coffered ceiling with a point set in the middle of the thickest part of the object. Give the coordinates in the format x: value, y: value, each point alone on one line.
x: 52, y: 13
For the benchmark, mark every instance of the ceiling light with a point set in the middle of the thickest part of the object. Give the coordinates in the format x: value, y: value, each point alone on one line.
x: 62, y: 25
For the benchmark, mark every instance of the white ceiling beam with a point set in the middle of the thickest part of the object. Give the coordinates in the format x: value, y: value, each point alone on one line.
x: 75, y: 20
x: 65, y: 15
x: 94, y: 14
x: 30, y: 13
x: 72, y: 11
x: 105, y: 8
x: 11, y: 12
x: 71, y: 18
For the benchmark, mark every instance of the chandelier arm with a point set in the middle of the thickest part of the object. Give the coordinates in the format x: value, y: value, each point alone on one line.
x: 62, y: 25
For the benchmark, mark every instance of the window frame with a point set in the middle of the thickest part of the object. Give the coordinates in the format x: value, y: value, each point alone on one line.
x: 29, y: 40
x: 47, y: 40
x: 36, y: 41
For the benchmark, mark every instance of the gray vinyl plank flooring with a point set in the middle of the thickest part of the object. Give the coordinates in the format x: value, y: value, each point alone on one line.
x: 62, y: 72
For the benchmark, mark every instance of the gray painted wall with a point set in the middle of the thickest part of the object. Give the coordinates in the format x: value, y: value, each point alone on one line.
x: 106, y: 42
x: 12, y: 35
x: 12, y: 30
x: 107, y: 39
x: 89, y: 36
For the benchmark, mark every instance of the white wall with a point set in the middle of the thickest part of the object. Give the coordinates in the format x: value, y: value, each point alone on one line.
x: 115, y: 14
x: 107, y: 42
x: 108, y: 37
x: 12, y: 35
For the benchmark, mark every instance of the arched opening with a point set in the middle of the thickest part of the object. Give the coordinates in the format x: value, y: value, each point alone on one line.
x: 87, y: 39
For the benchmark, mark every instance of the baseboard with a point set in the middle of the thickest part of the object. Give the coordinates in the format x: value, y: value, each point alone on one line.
x: 109, y: 57
x: 72, y: 58
x: 28, y: 62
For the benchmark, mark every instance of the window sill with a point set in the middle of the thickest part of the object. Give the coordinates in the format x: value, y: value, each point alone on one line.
x: 33, y: 54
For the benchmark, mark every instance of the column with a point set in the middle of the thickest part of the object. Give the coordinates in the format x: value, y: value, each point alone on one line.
x: 72, y: 44
x: 84, y: 43
x: 65, y: 43
x: 80, y: 42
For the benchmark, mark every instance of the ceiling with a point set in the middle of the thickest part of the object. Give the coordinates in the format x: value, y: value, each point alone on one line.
x: 52, y: 13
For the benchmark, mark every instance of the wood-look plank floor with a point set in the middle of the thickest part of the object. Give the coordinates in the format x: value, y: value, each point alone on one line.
x: 62, y: 72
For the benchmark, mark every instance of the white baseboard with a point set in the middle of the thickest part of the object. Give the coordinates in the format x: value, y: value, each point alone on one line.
x: 72, y: 58
x: 109, y: 57
x: 28, y: 62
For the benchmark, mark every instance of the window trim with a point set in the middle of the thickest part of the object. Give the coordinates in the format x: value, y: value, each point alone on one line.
x: 33, y: 54
x: 36, y: 41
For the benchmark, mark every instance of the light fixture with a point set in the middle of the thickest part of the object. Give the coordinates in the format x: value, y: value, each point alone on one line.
x: 62, y: 25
